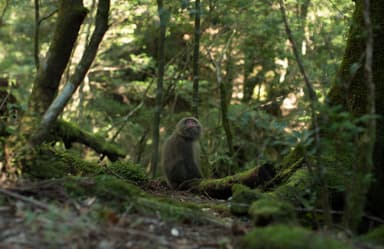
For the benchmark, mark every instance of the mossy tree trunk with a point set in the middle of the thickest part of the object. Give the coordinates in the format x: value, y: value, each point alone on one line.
x: 70, y: 17
x: 57, y: 106
x: 350, y: 91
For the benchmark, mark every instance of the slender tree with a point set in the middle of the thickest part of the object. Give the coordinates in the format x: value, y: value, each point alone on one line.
x: 159, y: 91
x: 195, y: 95
x: 36, y: 34
x: 77, y: 78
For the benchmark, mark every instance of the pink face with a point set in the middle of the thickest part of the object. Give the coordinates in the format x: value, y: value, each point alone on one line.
x: 190, y: 123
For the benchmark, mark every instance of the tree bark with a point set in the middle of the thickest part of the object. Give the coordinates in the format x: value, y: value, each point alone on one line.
x: 159, y: 91
x: 351, y: 92
x: 74, y: 82
x: 70, y: 17
x: 195, y: 95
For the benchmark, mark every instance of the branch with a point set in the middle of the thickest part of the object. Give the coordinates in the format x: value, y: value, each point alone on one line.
x: 35, y: 203
x: 48, y: 16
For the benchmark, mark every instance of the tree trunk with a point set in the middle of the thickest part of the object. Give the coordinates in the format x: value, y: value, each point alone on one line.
x: 159, y: 91
x: 195, y: 95
x: 77, y: 78
x: 70, y: 17
x: 350, y: 89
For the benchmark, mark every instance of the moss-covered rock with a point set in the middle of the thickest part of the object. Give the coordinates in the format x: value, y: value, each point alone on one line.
x: 375, y: 236
x: 289, y: 237
x: 266, y: 211
x: 242, y: 198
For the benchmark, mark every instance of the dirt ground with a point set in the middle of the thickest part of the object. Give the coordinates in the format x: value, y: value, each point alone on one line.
x: 30, y: 223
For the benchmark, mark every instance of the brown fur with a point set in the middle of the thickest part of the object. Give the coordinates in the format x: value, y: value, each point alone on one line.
x: 181, y: 153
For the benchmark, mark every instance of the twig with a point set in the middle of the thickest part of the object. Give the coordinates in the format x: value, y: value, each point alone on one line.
x: 35, y: 203
x: 4, y: 101
x: 48, y: 16
x: 126, y: 118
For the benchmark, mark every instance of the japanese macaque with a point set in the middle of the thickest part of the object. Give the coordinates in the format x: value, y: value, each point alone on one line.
x: 181, y: 154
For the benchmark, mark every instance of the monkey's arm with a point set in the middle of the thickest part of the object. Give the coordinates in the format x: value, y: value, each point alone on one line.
x: 191, y: 160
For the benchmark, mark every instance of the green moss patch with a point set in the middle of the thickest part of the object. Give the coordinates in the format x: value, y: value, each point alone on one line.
x: 289, y: 237
x: 128, y: 170
x: 52, y: 163
x: 242, y: 199
x: 266, y: 211
x: 297, y: 188
x: 375, y: 236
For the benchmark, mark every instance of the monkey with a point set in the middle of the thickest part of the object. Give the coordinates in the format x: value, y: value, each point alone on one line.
x: 181, y: 154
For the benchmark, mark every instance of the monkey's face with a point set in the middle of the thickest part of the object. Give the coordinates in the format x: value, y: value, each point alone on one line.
x: 189, y: 128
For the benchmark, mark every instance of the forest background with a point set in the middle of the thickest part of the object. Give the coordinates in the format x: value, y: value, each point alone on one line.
x: 288, y: 92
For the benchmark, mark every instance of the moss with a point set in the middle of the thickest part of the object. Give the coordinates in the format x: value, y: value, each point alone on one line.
x: 242, y: 198
x: 128, y: 170
x: 295, y: 189
x: 222, y: 188
x: 70, y: 133
x: 105, y: 187
x: 292, y: 162
x: 266, y: 211
x: 52, y: 163
x: 173, y: 210
x: 375, y: 236
x: 120, y: 194
x: 289, y: 237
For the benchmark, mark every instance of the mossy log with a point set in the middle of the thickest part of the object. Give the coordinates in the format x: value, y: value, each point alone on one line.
x: 222, y: 188
x: 292, y: 162
x: 69, y: 133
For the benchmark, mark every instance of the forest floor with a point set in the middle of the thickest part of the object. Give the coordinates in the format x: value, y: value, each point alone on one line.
x: 44, y: 216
